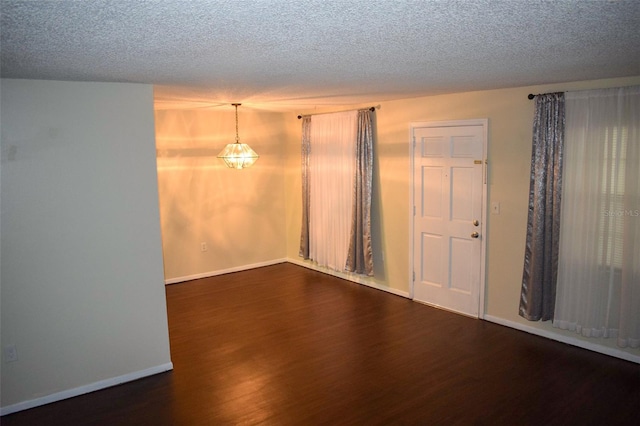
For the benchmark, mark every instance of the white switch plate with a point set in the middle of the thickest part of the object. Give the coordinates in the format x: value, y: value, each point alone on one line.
x: 495, y: 207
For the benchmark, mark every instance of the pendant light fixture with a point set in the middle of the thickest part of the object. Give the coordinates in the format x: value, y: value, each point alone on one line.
x: 238, y: 155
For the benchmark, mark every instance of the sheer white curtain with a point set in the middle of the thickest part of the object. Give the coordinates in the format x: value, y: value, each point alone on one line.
x: 332, y: 162
x: 598, y: 287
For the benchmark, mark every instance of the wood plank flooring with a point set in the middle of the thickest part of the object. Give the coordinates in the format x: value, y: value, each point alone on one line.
x: 284, y: 345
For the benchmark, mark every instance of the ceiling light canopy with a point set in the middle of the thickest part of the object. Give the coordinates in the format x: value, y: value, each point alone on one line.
x: 238, y: 155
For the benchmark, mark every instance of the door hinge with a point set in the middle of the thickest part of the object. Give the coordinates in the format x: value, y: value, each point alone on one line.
x: 414, y: 276
x: 414, y: 210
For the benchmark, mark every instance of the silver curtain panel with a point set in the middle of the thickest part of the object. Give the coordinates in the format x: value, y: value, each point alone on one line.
x: 537, y: 298
x: 306, y: 141
x: 360, y: 254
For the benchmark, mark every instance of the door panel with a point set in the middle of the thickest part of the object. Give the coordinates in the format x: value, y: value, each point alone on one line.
x: 432, y: 252
x: 448, y: 194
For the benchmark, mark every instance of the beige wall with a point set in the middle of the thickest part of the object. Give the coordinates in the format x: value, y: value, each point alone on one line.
x: 259, y: 219
x: 237, y: 213
x: 510, y: 130
x: 82, y: 287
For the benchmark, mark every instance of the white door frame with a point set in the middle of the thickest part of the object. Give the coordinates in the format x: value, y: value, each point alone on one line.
x: 484, y: 122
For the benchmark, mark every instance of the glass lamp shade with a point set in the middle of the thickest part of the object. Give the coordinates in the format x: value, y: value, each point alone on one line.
x: 238, y: 155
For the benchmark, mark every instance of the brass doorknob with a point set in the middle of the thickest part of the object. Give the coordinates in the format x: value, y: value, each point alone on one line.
x: 475, y: 235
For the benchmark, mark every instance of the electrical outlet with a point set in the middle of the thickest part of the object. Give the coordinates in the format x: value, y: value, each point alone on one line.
x: 10, y: 353
x: 203, y: 247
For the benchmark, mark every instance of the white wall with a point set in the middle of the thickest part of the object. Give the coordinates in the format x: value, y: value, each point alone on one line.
x: 82, y: 294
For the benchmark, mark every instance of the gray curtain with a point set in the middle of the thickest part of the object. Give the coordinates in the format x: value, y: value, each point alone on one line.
x: 360, y: 254
x: 538, y: 294
x: 306, y: 141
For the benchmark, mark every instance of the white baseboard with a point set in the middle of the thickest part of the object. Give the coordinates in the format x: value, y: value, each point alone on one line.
x: 223, y: 271
x: 103, y: 384
x: 70, y: 393
x: 349, y: 277
x: 606, y: 350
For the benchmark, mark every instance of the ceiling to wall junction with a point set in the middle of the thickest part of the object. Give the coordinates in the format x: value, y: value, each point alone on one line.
x: 285, y: 54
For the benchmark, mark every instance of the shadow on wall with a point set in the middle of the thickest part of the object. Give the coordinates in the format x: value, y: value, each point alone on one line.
x: 379, y: 267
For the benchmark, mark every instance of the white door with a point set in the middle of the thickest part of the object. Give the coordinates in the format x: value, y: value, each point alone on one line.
x: 448, y: 195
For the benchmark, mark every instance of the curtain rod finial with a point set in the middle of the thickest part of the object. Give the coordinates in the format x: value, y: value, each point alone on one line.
x: 531, y: 96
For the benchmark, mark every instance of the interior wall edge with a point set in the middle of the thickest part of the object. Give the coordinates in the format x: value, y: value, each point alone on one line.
x: 349, y: 277
x: 81, y: 390
x: 177, y: 280
x: 565, y: 339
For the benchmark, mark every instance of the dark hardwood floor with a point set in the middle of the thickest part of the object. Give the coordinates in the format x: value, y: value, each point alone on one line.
x: 284, y: 345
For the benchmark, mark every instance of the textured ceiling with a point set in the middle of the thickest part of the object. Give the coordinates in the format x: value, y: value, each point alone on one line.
x: 282, y: 54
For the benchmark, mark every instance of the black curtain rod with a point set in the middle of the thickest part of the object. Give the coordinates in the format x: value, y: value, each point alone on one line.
x: 370, y: 109
x: 531, y: 95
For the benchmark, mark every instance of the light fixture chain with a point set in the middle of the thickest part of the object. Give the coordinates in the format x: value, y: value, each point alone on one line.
x: 237, y: 137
